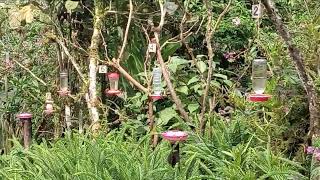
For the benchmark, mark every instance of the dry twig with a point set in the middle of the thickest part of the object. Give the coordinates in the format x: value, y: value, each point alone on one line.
x: 209, y: 35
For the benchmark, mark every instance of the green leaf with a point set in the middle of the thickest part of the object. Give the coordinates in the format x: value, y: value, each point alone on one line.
x: 215, y: 83
x: 71, y: 5
x: 202, y: 57
x: 166, y: 115
x: 170, y: 49
x: 175, y: 62
x: 183, y: 89
x: 222, y: 76
x: 196, y: 87
x: 193, y: 107
x: 228, y: 154
x: 228, y: 82
x: 202, y: 66
x: 193, y: 80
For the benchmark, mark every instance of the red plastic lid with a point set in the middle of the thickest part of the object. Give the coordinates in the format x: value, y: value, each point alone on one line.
x: 259, y: 97
x: 24, y: 116
x: 175, y: 136
x: 113, y: 75
x: 156, y: 97
x: 49, y: 102
x: 63, y: 93
x: 48, y: 111
x: 112, y: 92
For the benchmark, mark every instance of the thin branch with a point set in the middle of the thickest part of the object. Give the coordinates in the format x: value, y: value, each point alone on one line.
x: 173, y: 93
x: 32, y: 74
x: 184, y: 35
x: 128, y: 76
x: 295, y: 54
x: 150, y: 115
x: 147, y: 58
x: 209, y: 35
x: 105, y: 46
x: 183, y: 41
x: 175, y: 98
x: 163, y: 15
x: 125, y: 40
x: 71, y: 58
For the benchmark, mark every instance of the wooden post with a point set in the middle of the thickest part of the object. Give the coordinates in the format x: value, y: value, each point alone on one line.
x: 27, y: 129
x: 27, y: 133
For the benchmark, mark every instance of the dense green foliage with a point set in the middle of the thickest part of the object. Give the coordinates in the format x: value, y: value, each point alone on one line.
x: 243, y: 140
x: 230, y: 152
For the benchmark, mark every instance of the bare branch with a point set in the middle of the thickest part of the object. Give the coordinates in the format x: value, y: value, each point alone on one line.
x: 175, y: 98
x: 71, y: 58
x: 209, y: 34
x: 125, y: 40
x: 32, y: 74
x: 128, y: 76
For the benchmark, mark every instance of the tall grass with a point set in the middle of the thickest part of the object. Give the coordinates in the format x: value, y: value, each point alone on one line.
x: 234, y: 151
x: 220, y: 154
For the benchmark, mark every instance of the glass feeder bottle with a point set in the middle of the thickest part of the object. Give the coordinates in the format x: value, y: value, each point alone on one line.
x: 7, y: 57
x: 64, y: 81
x: 49, y: 102
x: 114, y: 81
x: 259, y: 75
x: 157, y: 87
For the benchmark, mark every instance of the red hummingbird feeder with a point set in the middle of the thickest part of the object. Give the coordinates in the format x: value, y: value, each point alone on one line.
x: 259, y: 81
x: 49, y: 104
x: 114, y: 84
x: 175, y: 137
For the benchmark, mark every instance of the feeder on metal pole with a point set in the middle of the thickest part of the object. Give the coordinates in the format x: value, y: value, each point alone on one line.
x: 25, y: 118
x: 175, y: 137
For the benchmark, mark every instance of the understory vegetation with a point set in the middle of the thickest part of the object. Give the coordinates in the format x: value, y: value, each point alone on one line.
x: 231, y: 151
x: 204, y: 49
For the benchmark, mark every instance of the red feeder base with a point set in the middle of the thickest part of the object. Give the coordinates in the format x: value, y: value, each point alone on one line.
x: 259, y: 97
x: 155, y: 97
x: 24, y: 116
x: 48, y: 112
x: 175, y: 136
x: 63, y: 93
x: 112, y: 92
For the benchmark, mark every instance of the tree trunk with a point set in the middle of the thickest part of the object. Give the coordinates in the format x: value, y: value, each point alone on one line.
x: 298, y: 60
x: 93, y: 59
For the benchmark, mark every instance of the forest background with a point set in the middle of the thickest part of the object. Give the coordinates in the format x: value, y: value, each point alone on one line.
x: 204, y: 48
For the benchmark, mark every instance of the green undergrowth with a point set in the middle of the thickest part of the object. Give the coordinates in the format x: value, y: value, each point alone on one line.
x: 227, y: 151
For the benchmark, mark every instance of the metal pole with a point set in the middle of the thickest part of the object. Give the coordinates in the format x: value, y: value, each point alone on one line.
x: 27, y: 133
